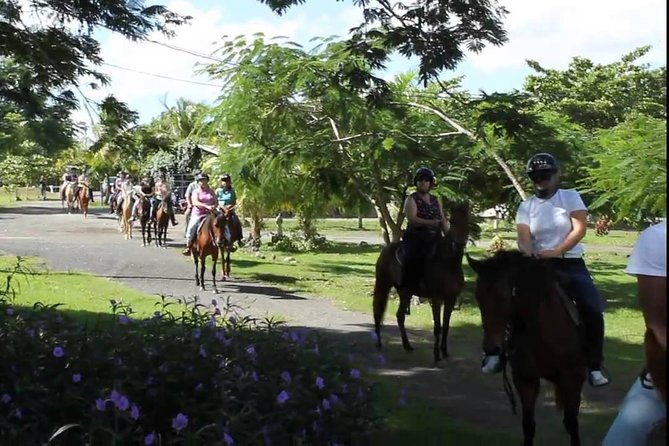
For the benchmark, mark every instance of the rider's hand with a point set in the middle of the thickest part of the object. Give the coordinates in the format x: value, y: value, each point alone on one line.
x: 550, y: 253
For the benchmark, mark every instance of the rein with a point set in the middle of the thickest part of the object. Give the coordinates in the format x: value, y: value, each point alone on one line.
x: 505, y: 379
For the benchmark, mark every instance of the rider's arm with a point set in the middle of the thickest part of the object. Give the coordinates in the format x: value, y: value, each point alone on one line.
x: 444, y: 220
x: 524, y: 239
x: 653, y: 300
x: 198, y: 203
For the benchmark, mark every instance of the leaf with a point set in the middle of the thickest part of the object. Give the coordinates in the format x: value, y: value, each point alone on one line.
x: 62, y: 429
x: 388, y: 143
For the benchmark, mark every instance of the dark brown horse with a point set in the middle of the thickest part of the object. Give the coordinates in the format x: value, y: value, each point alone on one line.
x: 443, y: 281
x: 143, y: 214
x: 160, y: 223
x: 210, y: 237
x: 82, y: 199
x: 535, y: 326
x: 228, y: 243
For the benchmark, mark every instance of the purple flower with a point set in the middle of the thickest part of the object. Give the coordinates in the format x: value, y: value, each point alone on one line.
x: 197, y: 333
x: 100, y: 404
x: 123, y: 403
x: 203, y: 351
x: 214, y: 302
x: 134, y: 412
x: 334, y: 399
x: 212, y: 322
x: 232, y: 319
x: 149, y: 439
x: 294, y: 336
x: 6, y: 398
x: 382, y: 359
x: 320, y: 383
x: 217, y: 311
x: 282, y: 397
x: 344, y: 388
x: 9, y: 311
x: 286, y: 377
x: 31, y: 332
x: 76, y: 378
x: 17, y: 413
x: 199, y: 387
x: 220, y: 334
x: 115, y: 396
x: 326, y: 404
x: 179, y: 422
x: 228, y: 439
x: 355, y: 373
x: 58, y: 352
x: 123, y: 319
x: 251, y: 350
x: 254, y: 376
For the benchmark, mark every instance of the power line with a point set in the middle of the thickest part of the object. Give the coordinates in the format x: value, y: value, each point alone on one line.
x: 187, y: 51
x: 161, y: 76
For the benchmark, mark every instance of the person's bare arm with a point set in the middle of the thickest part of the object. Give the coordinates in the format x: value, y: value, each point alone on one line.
x: 525, y: 239
x: 444, y: 220
x: 653, y: 299
x: 579, y: 226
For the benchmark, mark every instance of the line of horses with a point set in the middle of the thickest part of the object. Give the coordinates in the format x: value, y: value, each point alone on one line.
x: 78, y: 200
x: 526, y: 317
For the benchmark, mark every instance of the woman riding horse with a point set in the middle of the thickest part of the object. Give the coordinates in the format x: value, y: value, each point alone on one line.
x: 204, y: 201
x: 227, y: 200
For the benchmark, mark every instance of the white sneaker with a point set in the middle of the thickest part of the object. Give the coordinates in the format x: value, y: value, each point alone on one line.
x: 491, y: 364
x: 597, y: 379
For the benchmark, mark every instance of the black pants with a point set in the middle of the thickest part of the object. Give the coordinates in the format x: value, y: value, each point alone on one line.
x: 578, y: 284
x: 417, y: 244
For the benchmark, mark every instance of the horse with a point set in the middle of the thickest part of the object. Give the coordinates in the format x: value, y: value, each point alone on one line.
x: 160, y: 223
x: 70, y: 199
x: 82, y: 199
x: 442, y: 283
x: 210, y: 237
x: 143, y: 211
x: 126, y: 215
x: 231, y: 235
x: 535, y: 326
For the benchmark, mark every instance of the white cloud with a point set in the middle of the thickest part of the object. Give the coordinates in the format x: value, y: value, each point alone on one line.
x: 552, y: 32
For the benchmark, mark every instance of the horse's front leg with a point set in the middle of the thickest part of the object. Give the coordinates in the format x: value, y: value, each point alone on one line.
x: 402, y: 308
x: 528, y: 390
x: 214, y: 260
x: 203, y: 264
x: 436, y: 319
x: 448, y: 310
x: 227, y: 263
x: 197, y: 275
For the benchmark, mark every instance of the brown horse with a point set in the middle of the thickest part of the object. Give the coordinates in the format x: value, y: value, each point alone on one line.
x: 530, y: 321
x: 228, y: 242
x: 143, y: 211
x: 82, y: 199
x: 210, y: 237
x: 160, y: 223
x: 443, y: 281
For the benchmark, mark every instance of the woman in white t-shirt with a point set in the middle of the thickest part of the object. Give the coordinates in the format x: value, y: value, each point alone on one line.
x: 551, y: 224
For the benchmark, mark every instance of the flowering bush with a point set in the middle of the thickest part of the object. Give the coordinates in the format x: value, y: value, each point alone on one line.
x: 199, y: 377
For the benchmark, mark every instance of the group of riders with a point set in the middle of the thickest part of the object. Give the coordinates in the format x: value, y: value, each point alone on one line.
x: 200, y: 199
x: 72, y: 179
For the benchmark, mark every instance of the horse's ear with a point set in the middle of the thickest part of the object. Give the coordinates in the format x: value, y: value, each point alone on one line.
x: 476, y: 265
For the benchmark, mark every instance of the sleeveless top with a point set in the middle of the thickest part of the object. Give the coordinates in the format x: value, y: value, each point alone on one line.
x: 206, y: 197
x: 427, y: 211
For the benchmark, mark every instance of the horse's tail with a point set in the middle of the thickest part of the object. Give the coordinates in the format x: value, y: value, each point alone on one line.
x: 383, y: 282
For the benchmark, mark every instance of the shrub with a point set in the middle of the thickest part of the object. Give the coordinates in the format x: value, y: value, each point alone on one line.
x: 199, y: 375
x: 298, y: 243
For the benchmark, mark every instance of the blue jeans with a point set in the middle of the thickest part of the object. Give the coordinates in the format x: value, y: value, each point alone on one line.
x: 578, y: 284
x: 191, y: 229
x: 639, y: 412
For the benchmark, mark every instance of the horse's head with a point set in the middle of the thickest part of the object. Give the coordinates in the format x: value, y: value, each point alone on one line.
x: 221, y: 220
x: 494, y: 295
x: 459, y: 226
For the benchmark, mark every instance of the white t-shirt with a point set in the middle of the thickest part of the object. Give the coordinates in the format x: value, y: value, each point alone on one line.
x: 649, y: 256
x: 550, y: 220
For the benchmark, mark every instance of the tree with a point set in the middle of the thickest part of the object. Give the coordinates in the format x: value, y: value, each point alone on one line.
x: 601, y: 96
x: 629, y: 173
x: 435, y: 31
x: 61, y: 50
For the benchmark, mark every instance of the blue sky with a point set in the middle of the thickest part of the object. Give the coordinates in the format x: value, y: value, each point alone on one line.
x: 549, y: 31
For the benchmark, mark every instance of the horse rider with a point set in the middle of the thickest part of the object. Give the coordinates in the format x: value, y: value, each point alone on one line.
x: 189, y: 192
x: 68, y: 177
x: 227, y: 200
x: 203, y: 200
x: 125, y: 189
x: 551, y: 224
x: 146, y: 188
x: 82, y: 180
x: 426, y: 223
x: 162, y: 193
x: 120, y: 178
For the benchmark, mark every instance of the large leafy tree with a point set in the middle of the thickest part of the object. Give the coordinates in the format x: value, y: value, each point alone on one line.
x: 629, y: 173
x: 53, y: 40
x: 437, y: 32
x: 600, y: 96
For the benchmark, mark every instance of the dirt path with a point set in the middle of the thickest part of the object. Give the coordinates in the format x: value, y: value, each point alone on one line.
x: 70, y: 243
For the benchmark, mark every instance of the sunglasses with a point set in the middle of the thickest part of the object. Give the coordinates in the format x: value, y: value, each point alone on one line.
x: 424, y: 179
x: 542, y: 175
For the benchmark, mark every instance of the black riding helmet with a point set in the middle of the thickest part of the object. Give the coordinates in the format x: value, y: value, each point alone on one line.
x: 423, y: 172
x: 201, y: 176
x: 542, y: 162
x: 226, y: 177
